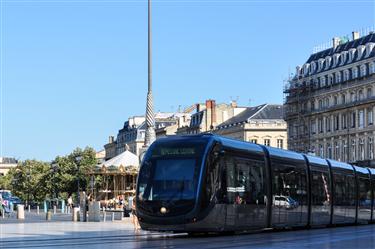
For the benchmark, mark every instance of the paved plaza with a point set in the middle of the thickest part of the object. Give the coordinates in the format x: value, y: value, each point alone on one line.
x: 60, y: 232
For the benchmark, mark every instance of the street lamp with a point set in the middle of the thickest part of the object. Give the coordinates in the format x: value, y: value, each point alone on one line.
x: 78, y: 161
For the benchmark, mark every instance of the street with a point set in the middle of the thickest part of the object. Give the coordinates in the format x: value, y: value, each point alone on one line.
x: 120, y: 234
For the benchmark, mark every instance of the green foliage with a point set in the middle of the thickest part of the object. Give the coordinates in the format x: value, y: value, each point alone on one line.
x: 35, y: 180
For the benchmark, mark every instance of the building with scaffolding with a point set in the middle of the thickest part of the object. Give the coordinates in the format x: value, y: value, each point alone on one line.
x: 330, y: 101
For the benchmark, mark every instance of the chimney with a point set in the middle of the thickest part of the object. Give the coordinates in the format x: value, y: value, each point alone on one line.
x: 233, y: 104
x: 111, y: 139
x: 335, y: 42
x: 355, y: 35
x: 210, y: 114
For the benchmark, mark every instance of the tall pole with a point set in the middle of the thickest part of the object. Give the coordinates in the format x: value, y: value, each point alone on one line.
x: 150, y: 118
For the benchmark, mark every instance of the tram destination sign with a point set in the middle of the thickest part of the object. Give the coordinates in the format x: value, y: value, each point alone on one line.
x: 177, y: 151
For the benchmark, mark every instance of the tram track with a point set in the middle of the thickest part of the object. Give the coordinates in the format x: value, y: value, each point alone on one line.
x: 312, y: 238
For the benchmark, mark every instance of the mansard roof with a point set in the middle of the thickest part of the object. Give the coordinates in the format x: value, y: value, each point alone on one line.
x: 261, y: 112
x: 343, y: 47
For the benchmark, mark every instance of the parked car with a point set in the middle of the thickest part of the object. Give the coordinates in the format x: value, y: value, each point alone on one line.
x: 284, y: 202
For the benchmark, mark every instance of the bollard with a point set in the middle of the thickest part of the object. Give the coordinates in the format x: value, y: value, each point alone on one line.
x: 20, y: 212
x: 104, y: 216
x: 113, y: 216
x: 28, y: 207
x: 54, y: 209
x: 76, y: 214
x: 48, y: 215
x: 37, y: 209
x: 63, y: 206
x: 45, y: 206
x: 3, y: 213
x: 94, y: 211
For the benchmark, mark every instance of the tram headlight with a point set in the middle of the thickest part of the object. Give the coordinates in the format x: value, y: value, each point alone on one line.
x: 163, y: 210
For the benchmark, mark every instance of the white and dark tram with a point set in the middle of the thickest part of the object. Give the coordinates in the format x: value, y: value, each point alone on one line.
x: 208, y: 183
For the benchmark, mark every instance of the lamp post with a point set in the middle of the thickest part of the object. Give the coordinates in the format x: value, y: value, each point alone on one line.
x: 78, y: 161
x: 150, y: 118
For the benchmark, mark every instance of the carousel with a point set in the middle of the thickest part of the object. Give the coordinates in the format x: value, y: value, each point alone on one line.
x: 116, y: 178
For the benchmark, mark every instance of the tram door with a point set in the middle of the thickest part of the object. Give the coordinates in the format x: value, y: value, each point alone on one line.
x: 245, y: 180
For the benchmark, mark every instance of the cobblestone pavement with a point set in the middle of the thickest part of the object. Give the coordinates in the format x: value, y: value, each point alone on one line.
x: 120, y: 234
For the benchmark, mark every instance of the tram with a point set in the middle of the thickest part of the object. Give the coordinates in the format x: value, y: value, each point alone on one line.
x: 208, y: 183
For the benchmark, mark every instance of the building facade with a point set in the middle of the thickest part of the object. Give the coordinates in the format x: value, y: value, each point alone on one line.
x: 263, y: 124
x: 208, y: 116
x: 6, y: 163
x: 330, y: 101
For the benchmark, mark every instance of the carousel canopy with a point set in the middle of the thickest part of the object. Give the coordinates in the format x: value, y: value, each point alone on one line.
x: 124, y: 160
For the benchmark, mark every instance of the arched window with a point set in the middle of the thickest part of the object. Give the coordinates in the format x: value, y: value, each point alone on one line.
x: 360, y: 95
x: 354, y: 72
x: 369, y: 92
x: 346, y: 75
x: 363, y: 70
x: 343, y: 100
x: 372, y: 68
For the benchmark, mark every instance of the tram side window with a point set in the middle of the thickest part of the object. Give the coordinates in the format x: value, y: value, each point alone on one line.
x: 212, y: 183
x: 364, y: 192
x: 320, y: 193
x: 245, y: 180
x: 289, y: 181
x: 344, y: 189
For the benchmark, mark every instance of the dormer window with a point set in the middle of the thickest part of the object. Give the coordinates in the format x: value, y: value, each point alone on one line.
x: 335, y: 59
x: 351, y: 54
x: 328, y: 62
x: 369, y: 48
x: 320, y: 64
x: 360, y: 51
x: 306, y: 69
x: 312, y: 67
x: 343, y: 57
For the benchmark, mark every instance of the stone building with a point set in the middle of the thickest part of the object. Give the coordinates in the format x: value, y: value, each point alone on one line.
x: 208, y: 116
x: 329, y: 105
x: 263, y: 124
x: 132, y: 135
x: 6, y: 163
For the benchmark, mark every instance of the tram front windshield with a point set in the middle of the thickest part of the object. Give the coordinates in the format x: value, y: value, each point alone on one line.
x: 171, y: 172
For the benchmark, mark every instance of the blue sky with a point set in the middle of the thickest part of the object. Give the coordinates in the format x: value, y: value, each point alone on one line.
x: 74, y: 71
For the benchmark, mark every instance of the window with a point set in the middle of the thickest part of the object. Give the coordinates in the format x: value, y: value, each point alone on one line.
x: 320, y: 104
x: 320, y: 125
x: 372, y: 68
x: 370, y: 148
x: 363, y: 70
x: 329, y: 150
x: 361, y: 149
x: 337, y: 122
x: 321, y: 150
x: 360, y: 95
x: 370, y: 117
x: 369, y: 92
x: 346, y: 75
x: 328, y: 124
x: 344, y: 151
x: 337, y: 151
x: 335, y: 100
x: 254, y: 141
x: 352, y: 124
x: 352, y: 97
x: 312, y: 105
x: 343, y: 99
x: 353, y: 151
x: 361, y: 119
x: 312, y: 126
x: 354, y: 72
x: 338, y: 77
x: 267, y: 142
x: 326, y: 102
x: 344, y: 121
x: 280, y: 143
x: 244, y: 184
